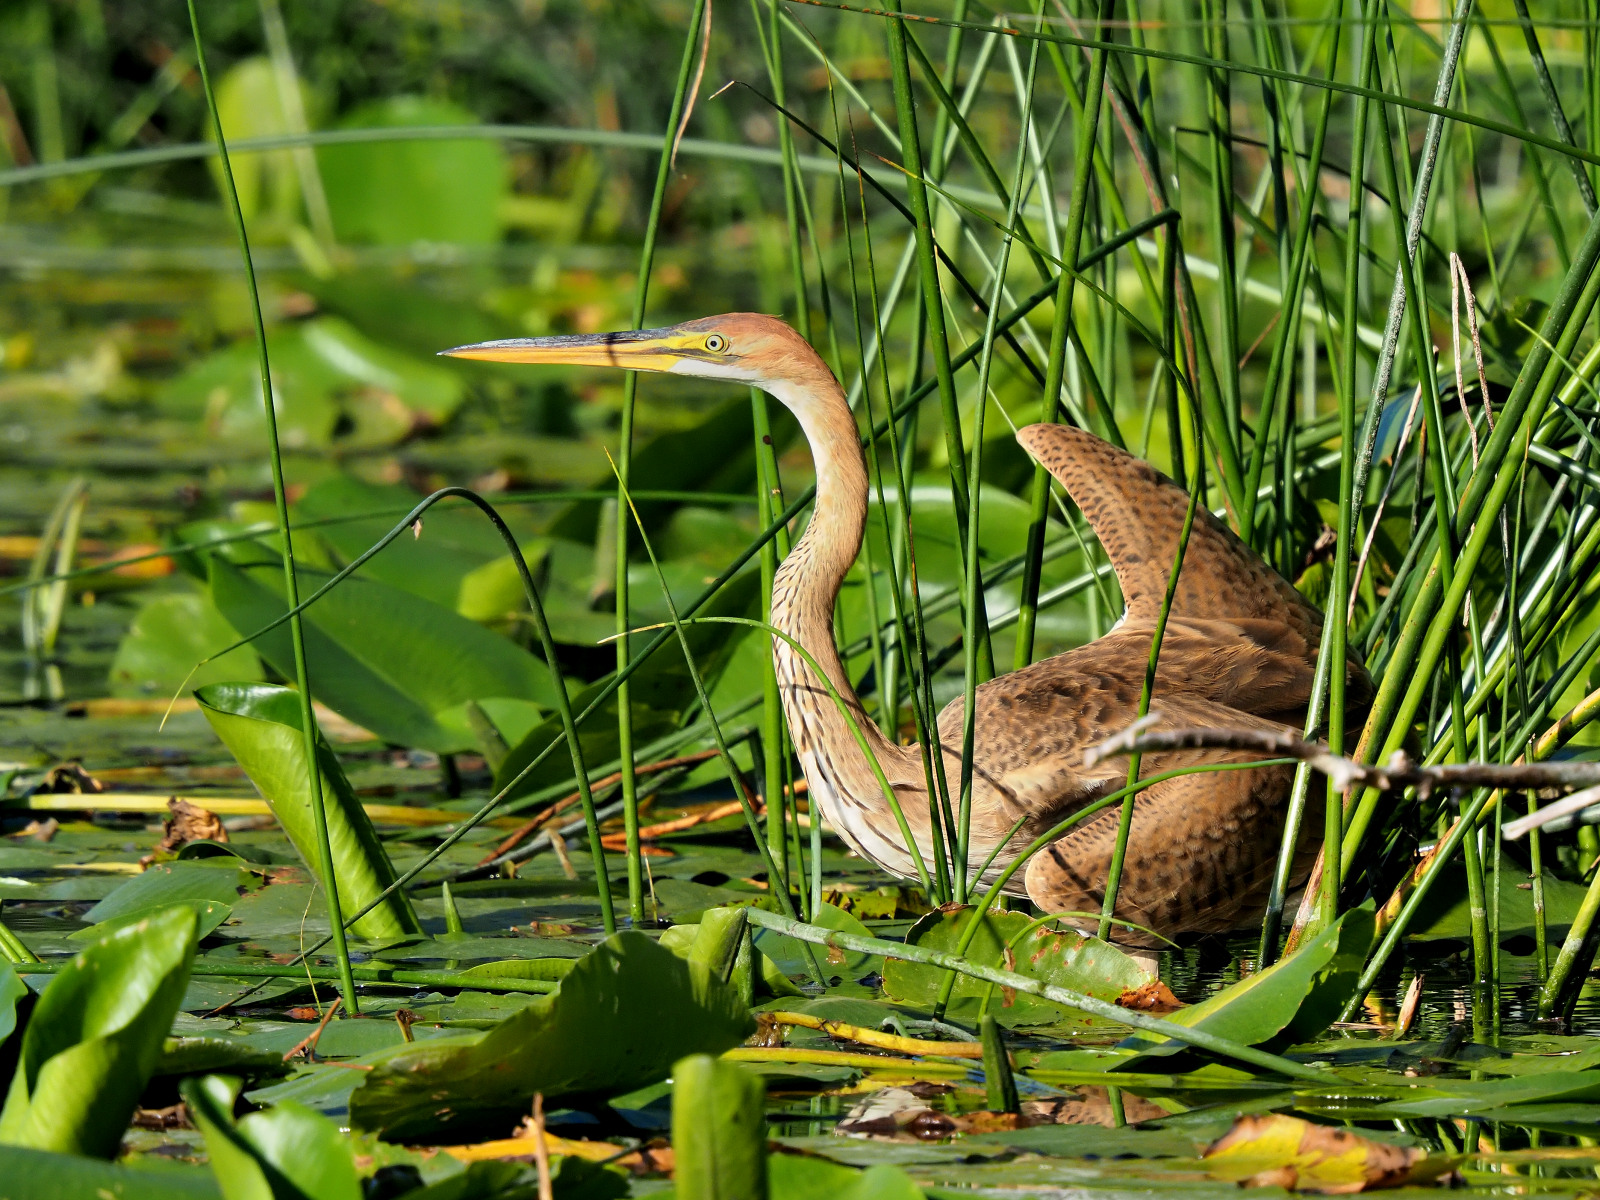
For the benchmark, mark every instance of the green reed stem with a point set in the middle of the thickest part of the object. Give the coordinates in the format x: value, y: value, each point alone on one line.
x: 1334, y: 651
x: 741, y: 789
x: 1435, y: 609
x: 933, y: 306
x: 13, y: 949
x: 1219, y: 124
x: 940, y: 823
x: 1576, y: 954
x: 773, y: 749
x: 624, y: 464
x: 291, y: 582
x: 973, y: 574
x: 1558, y: 115
x: 1055, y: 365
x: 1279, y: 366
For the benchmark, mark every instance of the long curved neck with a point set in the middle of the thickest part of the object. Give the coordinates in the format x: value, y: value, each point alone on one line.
x: 807, y: 585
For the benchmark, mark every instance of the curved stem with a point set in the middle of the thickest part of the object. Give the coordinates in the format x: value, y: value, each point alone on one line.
x: 291, y: 583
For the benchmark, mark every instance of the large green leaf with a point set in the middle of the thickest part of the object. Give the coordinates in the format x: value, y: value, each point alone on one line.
x: 1290, y: 1001
x: 386, y: 659
x: 1476, y: 1096
x: 330, y: 381
x: 621, y: 1018
x: 791, y: 956
x: 169, y: 635
x: 166, y: 884
x: 209, y: 888
x: 715, y: 455
x: 286, y: 1152
x: 661, y: 692
x: 454, y: 541
x: 96, y: 1035
x: 719, y: 1140
x: 260, y: 724
x: 250, y: 104
x: 12, y: 990
x: 1446, y: 911
x: 34, y: 1174
x: 1068, y: 959
x: 397, y: 193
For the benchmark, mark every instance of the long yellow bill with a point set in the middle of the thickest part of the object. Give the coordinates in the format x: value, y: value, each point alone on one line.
x: 639, y: 350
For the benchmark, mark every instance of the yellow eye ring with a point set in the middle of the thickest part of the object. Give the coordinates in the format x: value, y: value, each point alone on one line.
x: 716, y: 343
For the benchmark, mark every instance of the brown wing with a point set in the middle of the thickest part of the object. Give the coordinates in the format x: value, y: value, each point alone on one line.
x: 1200, y: 859
x: 1137, y: 513
x: 1033, y: 725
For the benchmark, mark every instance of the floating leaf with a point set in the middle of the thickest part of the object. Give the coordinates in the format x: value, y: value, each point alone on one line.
x: 1292, y: 1000
x: 330, y: 382
x: 1067, y: 959
x: 169, y: 635
x: 170, y: 883
x: 383, y: 658
x: 260, y: 724
x: 1275, y: 1150
x: 805, y: 1177
x: 209, y: 890
x: 1446, y: 911
x: 397, y: 193
x: 96, y: 1035
x: 1474, y: 1096
x: 207, y: 1055
x: 789, y: 954
x: 621, y: 1018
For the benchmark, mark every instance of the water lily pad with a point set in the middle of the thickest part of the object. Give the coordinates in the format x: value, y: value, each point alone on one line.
x: 621, y: 1018
x: 169, y: 635
x: 1068, y: 959
x: 1291, y: 1000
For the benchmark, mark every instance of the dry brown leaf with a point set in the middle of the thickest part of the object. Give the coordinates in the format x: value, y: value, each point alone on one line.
x: 39, y: 831
x: 1274, y: 1150
x: 186, y: 823
x: 70, y: 778
x: 1152, y: 997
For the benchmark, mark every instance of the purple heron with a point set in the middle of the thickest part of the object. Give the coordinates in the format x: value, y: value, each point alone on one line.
x: 1240, y: 650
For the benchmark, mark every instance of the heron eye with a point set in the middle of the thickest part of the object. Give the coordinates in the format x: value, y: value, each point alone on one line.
x: 716, y: 343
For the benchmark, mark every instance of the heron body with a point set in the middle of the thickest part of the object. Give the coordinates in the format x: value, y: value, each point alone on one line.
x: 1239, y: 650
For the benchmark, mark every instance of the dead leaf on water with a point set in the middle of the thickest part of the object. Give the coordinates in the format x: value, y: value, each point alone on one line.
x: 1281, y: 1151
x: 1153, y: 997
x: 187, y: 823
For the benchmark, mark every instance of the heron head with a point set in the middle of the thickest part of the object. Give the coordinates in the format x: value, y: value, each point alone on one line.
x: 738, y: 347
